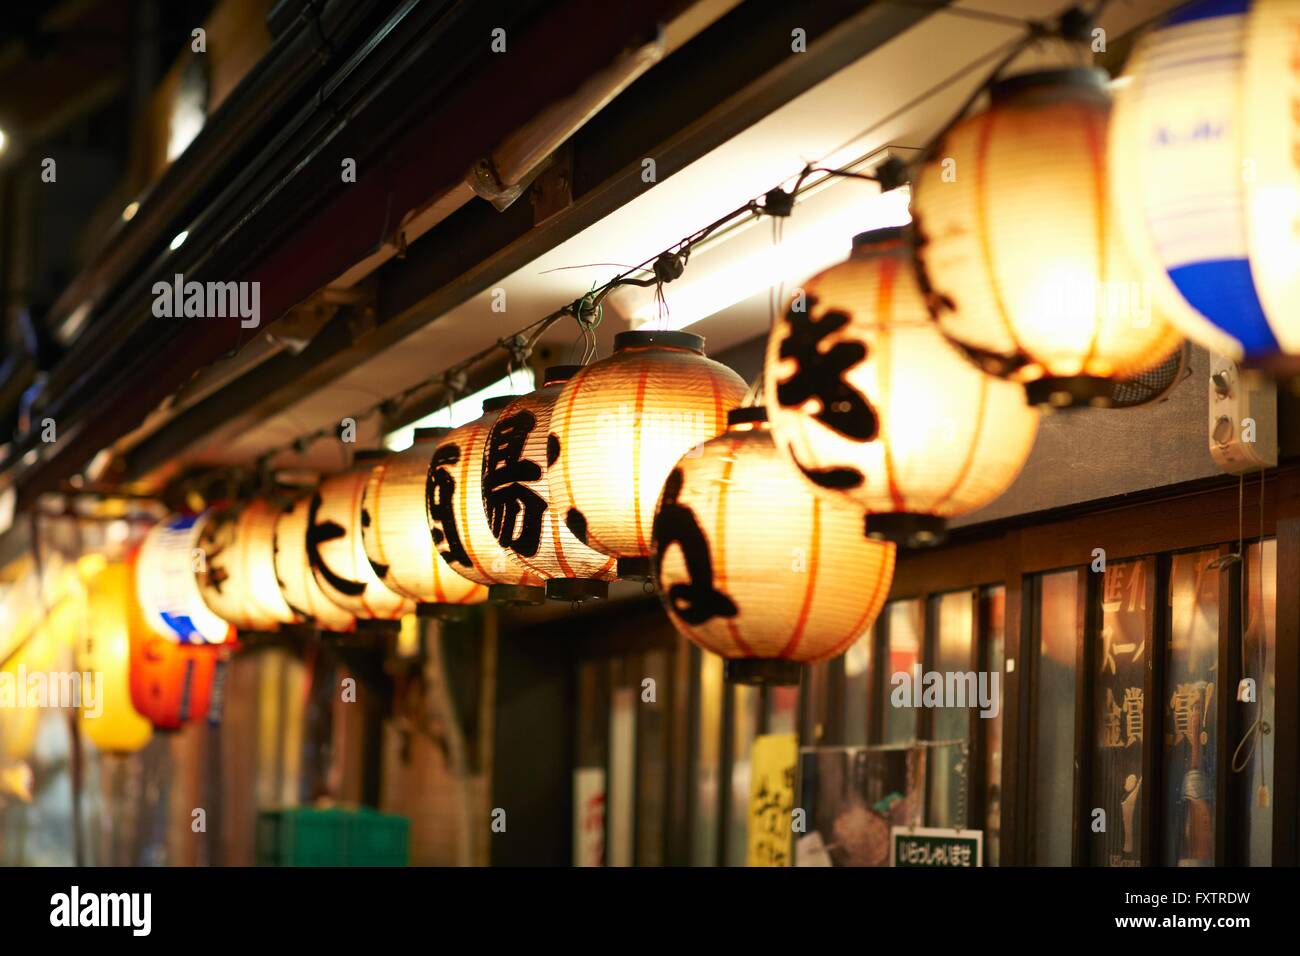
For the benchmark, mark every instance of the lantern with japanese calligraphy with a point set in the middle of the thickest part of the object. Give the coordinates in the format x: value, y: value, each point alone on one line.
x: 337, y: 553
x: 395, y: 531
x: 237, y: 574
x: 620, y: 425
x: 1205, y: 169
x: 170, y: 682
x: 458, y: 521
x: 293, y: 571
x: 873, y: 405
x: 1025, y: 267
x: 110, y: 721
x: 754, y: 568
x: 516, y: 495
x: 167, y: 587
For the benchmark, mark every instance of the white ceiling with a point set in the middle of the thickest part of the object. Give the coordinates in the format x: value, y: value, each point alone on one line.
x: 825, y: 124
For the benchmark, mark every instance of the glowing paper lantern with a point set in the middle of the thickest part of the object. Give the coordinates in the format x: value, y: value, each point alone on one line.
x: 167, y: 588
x: 755, y: 568
x: 1017, y: 245
x: 293, y: 570
x: 516, y: 497
x: 1205, y: 169
x: 395, y: 530
x: 112, y: 724
x: 871, y: 403
x: 621, y: 424
x: 237, y: 575
x: 457, y: 519
x: 337, y: 553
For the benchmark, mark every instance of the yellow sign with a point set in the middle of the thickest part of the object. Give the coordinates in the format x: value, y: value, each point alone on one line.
x: 772, y: 764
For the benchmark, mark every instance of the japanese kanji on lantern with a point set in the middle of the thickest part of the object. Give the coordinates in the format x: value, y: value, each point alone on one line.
x: 237, y: 574
x: 395, y: 531
x: 1205, y: 170
x: 755, y: 568
x: 337, y: 553
x: 459, y: 523
x: 620, y: 426
x: 167, y: 587
x: 874, y: 406
x: 111, y: 722
x: 293, y: 571
x: 516, y: 496
x: 1018, y: 250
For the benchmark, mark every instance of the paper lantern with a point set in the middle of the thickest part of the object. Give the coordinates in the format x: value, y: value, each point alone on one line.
x: 293, y: 571
x: 336, y: 552
x: 457, y: 519
x: 167, y: 588
x: 872, y: 404
x: 755, y: 567
x: 395, y: 531
x: 1205, y: 170
x: 237, y: 575
x: 1018, y: 248
x: 29, y: 647
x: 112, y: 723
x: 516, y: 497
x: 621, y: 424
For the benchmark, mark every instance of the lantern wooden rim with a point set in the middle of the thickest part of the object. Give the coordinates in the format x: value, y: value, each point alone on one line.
x: 643, y: 339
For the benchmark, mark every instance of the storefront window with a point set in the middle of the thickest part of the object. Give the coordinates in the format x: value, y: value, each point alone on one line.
x: 904, y: 622
x: 746, y: 700
x: 1058, y: 628
x: 704, y: 836
x: 1120, y: 715
x: 1254, y: 754
x: 995, y: 603
x: 622, y: 774
x: 1191, y: 675
x: 857, y: 689
x: 950, y: 728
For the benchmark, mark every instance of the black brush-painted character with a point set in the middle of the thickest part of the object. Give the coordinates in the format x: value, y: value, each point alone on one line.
x: 696, y: 600
x: 509, y: 501
x: 439, y: 497
x: 820, y: 374
x: 217, y: 535
x: 319, y: 532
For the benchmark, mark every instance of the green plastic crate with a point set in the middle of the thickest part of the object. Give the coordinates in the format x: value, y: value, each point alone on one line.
x: 306, y: 836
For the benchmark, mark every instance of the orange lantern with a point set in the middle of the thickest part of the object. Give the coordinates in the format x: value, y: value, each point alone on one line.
x: 457, y: 519
x: 755, y: 567
x: 337, y: 553
x: 395, y: 531
x: 293, y: 570
x: 621, y: 424
x: 516, y: 495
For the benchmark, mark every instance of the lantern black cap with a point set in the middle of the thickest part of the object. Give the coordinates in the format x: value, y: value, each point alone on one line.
x: 641, y: 339
x: 430, y: 434
x: 1080, y: 77
x: 747, y: 413
x: 874, y: 237
x: 497, y: 402
x: 369, y: 454
x: 559, y: 373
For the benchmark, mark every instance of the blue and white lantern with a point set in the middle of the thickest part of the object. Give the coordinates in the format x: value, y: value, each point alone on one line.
x: 167, y: 587
x: 1205, y: 173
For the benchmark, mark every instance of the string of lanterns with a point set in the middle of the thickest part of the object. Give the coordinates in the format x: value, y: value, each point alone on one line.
x: 902, y: 386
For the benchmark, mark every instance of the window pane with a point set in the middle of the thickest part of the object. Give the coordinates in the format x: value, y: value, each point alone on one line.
x: 704, y: 838
x: 1260, y: 646
x: 1120, y: 712
x: 904, y: 656
x: 1190, y: 674
x: 857, y: 689
x: 651, y: 769
x: 1058, y: 628
x: 622, y: 775
x: 948, y: 769
x: 744, y: 729
x: 995, y: 604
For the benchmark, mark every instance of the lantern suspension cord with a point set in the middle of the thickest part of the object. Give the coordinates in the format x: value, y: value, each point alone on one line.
x: 657, y: 270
